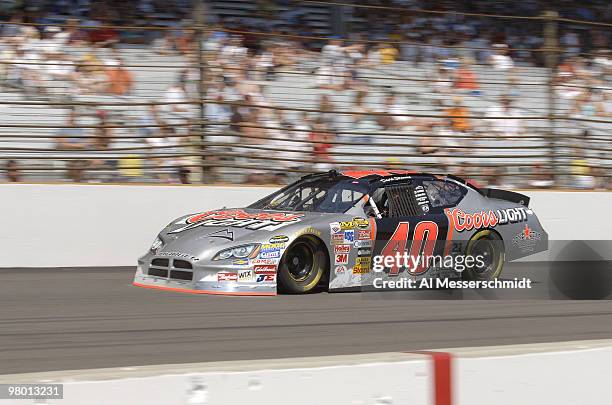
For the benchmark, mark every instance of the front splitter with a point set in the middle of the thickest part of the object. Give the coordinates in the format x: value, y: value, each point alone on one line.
x: 231, y: 289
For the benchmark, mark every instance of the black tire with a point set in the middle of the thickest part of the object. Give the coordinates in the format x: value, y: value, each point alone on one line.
x: 490, y: 246
x: 303, y: 266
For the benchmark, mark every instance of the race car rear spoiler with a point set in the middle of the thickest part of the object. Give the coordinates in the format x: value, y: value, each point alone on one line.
x: 505, y: 195
x: 511, y: 196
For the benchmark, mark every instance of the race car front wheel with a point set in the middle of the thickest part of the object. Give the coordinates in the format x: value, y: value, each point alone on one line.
x: 302, y: 266
x: 487, y: 250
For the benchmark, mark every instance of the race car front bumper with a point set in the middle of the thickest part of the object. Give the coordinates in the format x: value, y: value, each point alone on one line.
x: 204, y: 280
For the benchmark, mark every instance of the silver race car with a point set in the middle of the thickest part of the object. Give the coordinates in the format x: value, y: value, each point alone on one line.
x: 335, y: 229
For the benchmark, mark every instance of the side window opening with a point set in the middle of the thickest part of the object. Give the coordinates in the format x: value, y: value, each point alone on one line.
x: 443, y: 193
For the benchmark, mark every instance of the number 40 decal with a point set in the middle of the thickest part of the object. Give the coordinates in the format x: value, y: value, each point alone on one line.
x: 423, y: 244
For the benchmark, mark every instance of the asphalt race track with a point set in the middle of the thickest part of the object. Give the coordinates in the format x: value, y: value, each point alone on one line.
x: 58, y: 319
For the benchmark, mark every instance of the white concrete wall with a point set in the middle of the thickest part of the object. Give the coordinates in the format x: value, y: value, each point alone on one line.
x: 97, y: 225
x: 577, y: 377
x: 111, y: 225
x: 565, y: 373
x: 392, y: 378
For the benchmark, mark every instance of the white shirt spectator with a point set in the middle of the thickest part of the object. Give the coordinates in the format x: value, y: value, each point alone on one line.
x: 510, y: 125
x: 176, y: 94
x: 333, y: 55
x: 501, y: 62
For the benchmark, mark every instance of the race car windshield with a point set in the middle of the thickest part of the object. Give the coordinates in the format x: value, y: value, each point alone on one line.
x: 316, y: 195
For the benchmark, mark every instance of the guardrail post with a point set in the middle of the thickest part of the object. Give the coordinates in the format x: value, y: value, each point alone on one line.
x: 551, y: 48
x: 199, y: 19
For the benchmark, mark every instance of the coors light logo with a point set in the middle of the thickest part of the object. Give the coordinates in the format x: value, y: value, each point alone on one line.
x: 238, y: 219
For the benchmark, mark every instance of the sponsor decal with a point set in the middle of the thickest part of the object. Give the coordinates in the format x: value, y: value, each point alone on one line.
x: 466, y: 222
x: 362, y: 265
x: 310, y: 231
x: 272, y: 254
x: 360, y: 270
x: 340, y: 269
x: 245, y: 276
x: 266, y: 278
x: 271, y: 250
x: 240, y: 262
x: 357, y: 222
x: 346, y: 225
x: 334, y: 227
x: 179, y: 255
x: 342, y: 248
x: 349, y: 236
x: 364, y: 234
x: 527, y: 239
x: 239, y: 219
x: 226, y: 276
x: 511, y: 215
x: 264, y: 262
x: 272, y: 246
x: 421, y: 198
x: 361, y: 222
x: 363, y: 243
x: 341, y: 258
x: 279, y: 239
x: 337, y: 238
x: 357, y: 174
x: 265, y: 269
x: 397, y: 178
x: 364, y: 252
x: 223, y: 233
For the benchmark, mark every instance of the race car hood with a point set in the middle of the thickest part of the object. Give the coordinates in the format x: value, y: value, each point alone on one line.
x: 201, y: 235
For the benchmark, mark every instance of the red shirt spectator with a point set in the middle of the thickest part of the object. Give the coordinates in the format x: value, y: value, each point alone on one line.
x: 321, y: 148
x: 466, y: 79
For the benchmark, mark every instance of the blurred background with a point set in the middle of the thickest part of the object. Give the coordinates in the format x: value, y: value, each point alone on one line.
x: 511, y: 94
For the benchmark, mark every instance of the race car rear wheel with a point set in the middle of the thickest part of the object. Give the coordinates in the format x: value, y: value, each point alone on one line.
x: 487, y: 249
x: 302, y: 266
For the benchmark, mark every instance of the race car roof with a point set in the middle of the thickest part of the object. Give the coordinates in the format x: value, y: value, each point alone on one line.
x: 377, y: 174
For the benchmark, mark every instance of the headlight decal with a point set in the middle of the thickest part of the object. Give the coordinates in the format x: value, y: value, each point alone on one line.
x: 238, y: 252
x: 156, y: 245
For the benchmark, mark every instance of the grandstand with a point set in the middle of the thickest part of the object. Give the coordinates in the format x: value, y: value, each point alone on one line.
x: 260, y: 118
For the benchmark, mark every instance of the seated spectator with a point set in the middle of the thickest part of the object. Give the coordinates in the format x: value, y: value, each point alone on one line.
x: 72, y: 34
x: 176, y: 96
x: 320, y: 138
x: 541, y: 177
x: 359, y: 105
x: 119, y: 79
x: 328, y: 112
x: 501, y: 59
x: 13, y: 174
x: 505, y: 119
x: 71, y: 137
x: 442, y: 81
x: 458, y: 115
x: 388, y: 53
x: 586, y: 105
x: 90, y: 76
x: 253, y: 133
x: 581, y: 171
x: 101, y: 143
x: 465, y: 80
x: 333, y: 66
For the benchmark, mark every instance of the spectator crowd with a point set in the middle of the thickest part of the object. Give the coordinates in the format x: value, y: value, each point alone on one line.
x: 249, y: 129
